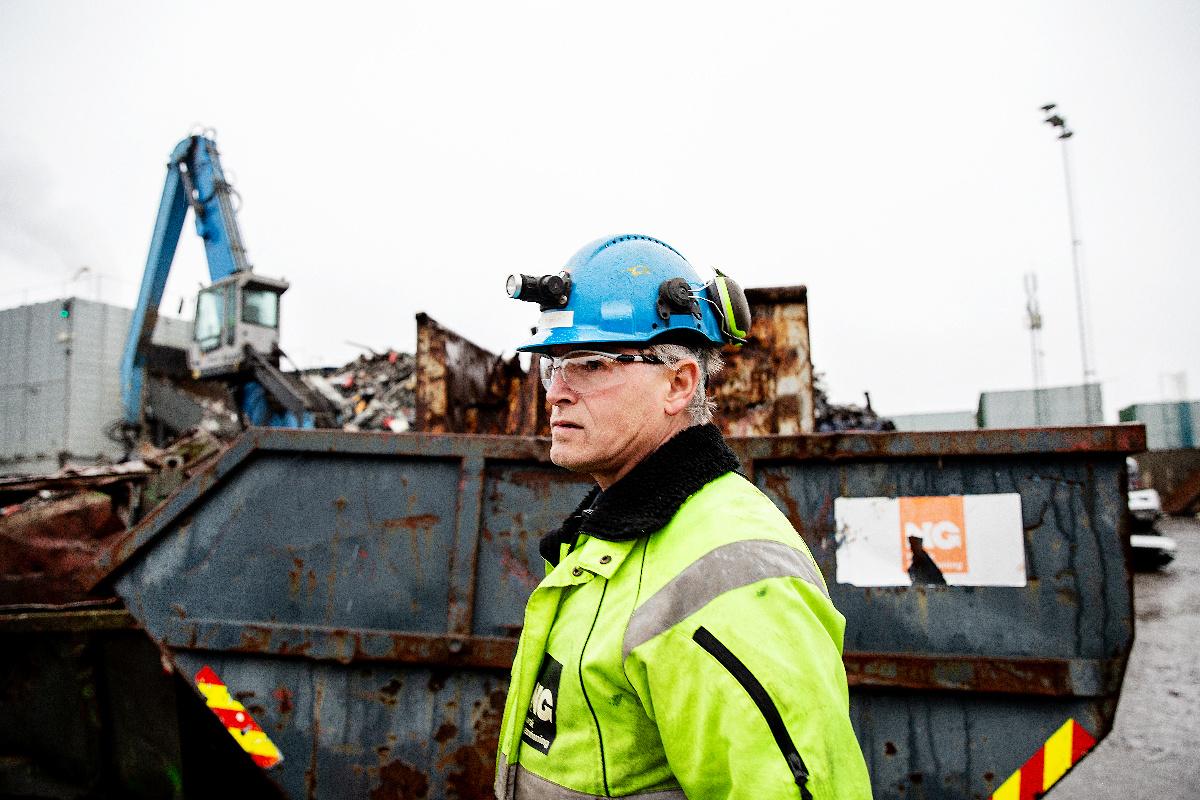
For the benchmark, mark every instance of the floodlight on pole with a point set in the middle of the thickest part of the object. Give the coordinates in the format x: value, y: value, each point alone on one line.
x: 1059, y: 123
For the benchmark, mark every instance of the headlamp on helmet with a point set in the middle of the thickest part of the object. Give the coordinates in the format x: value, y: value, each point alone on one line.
x: 548, y: 291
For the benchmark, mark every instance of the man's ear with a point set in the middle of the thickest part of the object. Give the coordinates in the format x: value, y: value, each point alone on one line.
x: 684, y: 378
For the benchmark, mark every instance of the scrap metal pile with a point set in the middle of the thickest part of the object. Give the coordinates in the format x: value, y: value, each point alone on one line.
x: 373, y: 392
x: 53, y: 527
x: 837, y: 418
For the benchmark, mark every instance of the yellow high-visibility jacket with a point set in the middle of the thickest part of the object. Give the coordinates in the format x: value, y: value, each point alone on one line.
x: 683, y: 645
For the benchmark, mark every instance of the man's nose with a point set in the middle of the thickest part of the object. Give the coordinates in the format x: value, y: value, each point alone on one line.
x: 559, y: 392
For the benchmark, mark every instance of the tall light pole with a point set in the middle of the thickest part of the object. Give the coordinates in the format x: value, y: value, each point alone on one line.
x: 1059, y: 123
x: 1033, y: 317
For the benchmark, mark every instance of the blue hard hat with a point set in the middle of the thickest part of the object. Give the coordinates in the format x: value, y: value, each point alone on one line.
x: 634, y: 289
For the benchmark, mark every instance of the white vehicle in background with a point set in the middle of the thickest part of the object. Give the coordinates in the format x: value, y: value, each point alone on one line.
x: 1151, y: 549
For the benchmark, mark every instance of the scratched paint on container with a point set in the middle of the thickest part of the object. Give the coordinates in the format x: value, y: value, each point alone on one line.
x: 958, y: 540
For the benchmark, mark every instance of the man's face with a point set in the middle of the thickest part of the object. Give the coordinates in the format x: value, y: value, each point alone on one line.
x: 605, y: 432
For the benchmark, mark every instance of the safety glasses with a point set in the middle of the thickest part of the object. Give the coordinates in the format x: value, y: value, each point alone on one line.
x: 586, y: 371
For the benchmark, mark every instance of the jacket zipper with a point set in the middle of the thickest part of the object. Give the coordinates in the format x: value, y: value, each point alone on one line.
x: 588, y: 700
x: 766, y: 706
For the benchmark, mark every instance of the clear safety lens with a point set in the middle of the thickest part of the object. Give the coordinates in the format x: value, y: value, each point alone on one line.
x: 585, y: 372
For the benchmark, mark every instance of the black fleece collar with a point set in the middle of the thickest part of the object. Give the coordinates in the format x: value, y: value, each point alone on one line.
x: 649, y: 495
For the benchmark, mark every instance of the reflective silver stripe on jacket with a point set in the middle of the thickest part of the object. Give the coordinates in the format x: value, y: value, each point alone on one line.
x: 532, y: 787
x: 726, y: 568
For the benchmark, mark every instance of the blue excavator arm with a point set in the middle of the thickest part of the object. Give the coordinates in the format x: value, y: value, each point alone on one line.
x: 194, y: 179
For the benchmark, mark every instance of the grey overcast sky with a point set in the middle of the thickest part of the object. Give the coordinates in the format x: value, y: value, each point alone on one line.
x: 403, y: 157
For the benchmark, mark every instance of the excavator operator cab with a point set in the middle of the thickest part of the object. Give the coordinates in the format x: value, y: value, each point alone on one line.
x: 233, y: 314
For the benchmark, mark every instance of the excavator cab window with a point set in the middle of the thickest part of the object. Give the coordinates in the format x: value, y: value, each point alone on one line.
x: 210, y: 318
x: 260, y: 306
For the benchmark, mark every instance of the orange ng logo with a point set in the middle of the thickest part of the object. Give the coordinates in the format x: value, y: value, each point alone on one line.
x: 938, y: 524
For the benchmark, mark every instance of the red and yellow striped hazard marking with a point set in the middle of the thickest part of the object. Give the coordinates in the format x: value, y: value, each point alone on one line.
x: 237, y: 720
x: 1063, y: 750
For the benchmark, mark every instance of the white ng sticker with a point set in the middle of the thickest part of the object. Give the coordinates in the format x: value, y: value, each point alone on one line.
x: 960, y: 540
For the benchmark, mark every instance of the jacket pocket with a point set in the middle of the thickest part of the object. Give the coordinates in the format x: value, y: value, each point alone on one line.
x: 766, y: 706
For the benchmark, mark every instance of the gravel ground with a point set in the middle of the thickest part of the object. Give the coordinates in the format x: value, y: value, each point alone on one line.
x: 1154, y: 748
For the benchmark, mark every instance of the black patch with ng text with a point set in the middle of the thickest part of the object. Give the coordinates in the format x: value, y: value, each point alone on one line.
x: 542, y: 716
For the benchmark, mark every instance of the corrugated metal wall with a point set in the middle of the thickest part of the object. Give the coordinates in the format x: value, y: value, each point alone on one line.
x: 33, y: 376
x: 936, y: 421
x: 1029, y: 408
x: 1169, y: 426
x: 60, y: 381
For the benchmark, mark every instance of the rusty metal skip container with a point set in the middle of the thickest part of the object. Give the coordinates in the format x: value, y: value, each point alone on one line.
x: 359, y: 595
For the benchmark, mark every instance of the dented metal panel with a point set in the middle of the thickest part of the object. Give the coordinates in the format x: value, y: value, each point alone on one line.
x: 361, y: 594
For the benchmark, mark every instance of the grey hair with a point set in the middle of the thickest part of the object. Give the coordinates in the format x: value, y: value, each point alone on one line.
x: 701, y: 407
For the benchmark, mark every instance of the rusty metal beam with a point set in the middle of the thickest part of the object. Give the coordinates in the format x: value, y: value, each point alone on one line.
x: 1121, y: 439
x: 73, y: 621
x: 342, y: 645
x: 1054, y: 677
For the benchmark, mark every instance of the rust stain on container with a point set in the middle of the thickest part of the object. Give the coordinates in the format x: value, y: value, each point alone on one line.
x: 300, y: 649
x: 255, y: 639
x: 540, y: 481
x: 517, y: 568
x: 445, y: 732
x: 294, y: 577
x: 472, y: 767
x: 778, y: 484
x: 400, y: 781
x: 413, y: 523
x: 283, y: 699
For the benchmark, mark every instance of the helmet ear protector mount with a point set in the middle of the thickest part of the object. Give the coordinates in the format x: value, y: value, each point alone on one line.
x: 675, y: 297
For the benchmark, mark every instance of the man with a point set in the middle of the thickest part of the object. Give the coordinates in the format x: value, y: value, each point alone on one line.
x: 682, y: 643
